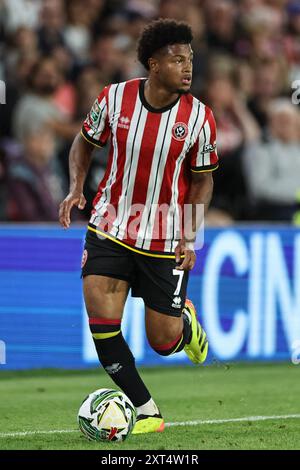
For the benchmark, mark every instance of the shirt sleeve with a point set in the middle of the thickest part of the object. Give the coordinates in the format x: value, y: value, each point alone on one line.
x: 96, y: 129
x: 203, y: 155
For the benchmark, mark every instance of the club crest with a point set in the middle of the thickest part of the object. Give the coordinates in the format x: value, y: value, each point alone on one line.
x: 180, y: 131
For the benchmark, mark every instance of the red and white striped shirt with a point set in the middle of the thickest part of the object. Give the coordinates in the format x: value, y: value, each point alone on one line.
x: 152, y: 151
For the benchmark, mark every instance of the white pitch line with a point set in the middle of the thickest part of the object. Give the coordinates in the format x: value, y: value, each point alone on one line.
x: 232, y: 420
x: 34, y: 433
x: 183, y: 423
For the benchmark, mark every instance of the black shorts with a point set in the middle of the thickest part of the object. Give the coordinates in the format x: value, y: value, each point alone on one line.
x: 155, y: 280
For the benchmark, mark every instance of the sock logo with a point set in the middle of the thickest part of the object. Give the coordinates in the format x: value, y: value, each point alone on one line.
x: 114, y: 368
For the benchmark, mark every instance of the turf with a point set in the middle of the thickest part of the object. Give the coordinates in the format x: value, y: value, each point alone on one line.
x: 49, y: 400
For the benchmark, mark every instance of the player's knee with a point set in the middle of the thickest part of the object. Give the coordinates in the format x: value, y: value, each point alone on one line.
x: 103, y: 298
x: 163, y: 336
x: 102, y: 306
x: 165, y: 344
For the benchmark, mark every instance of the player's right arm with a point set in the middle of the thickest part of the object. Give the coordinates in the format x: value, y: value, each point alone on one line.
x: 95, y: 132
x: 79, y: 162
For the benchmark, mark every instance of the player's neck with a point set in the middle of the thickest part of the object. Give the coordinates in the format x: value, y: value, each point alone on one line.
x: 156, y: 95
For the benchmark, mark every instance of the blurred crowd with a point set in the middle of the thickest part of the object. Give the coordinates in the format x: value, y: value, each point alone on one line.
x: 56, y: 55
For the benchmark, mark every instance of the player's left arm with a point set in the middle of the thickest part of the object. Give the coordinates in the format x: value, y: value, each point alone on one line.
x: 203, y: 159
x: 201, y: 189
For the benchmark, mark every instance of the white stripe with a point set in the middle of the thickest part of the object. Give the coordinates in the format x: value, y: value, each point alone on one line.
x: 174, y: 208
x: 175, y: 424
x: 169, y: 245
x: 113, y: 119
x: 199, y: 121
x: 204, y: 159
x: 130, y: 168
x: 160, y: 155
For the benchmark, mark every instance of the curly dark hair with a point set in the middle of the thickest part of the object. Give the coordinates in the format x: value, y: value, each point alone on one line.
x: 161, y: 33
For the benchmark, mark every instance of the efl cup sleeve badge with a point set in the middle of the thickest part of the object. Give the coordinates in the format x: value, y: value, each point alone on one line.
x: 180, y: 131
x: 84, y: 258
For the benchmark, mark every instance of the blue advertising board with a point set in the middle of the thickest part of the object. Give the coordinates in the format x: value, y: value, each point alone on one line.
x: 245, y: 285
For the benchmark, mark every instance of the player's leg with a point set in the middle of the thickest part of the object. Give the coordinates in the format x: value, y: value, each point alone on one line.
x: 165, y: 296
x: 106, y: 272
x: 105, y: 298
x: 171, y: 320
x: 167, y: 334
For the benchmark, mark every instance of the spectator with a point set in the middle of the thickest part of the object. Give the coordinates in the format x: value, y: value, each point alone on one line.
x: 273, y: 167
x: 37, y: 107
x: 221, y: 16
x: 292, y: 39
x: 172, y: 9
x: 44, y: 104
x: 269, y: 83
x: 21, y: 13
x: 108, y: 58
x: 235, y: 127
x: 52, y: 23
x: 35, y: 182
x: 55, y: 55
x: 21, y: 53
x: 77, y: 33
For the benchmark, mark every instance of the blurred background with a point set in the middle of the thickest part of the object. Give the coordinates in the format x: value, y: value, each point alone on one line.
x: 55, y: 57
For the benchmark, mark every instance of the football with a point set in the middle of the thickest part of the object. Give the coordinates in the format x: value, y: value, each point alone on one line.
x: 106, y: 415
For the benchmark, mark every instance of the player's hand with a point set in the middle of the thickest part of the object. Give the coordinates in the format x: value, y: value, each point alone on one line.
x: 74, y: 198
x: 186, y: 249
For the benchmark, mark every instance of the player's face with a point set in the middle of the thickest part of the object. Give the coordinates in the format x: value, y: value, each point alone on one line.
x: 175, y: 68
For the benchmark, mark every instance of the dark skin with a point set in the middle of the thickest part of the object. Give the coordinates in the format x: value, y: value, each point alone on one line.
x: 170, y: 74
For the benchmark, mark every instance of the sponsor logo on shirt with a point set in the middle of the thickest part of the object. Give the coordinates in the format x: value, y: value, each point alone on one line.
x: 124, y: 122
x: 209, y: 148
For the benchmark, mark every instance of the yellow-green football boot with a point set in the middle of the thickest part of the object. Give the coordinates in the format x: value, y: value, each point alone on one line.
x: 146, y: 423
x: 197, y: 348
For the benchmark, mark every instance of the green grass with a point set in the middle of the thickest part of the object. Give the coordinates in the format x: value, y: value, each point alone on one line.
x: 49, y: 400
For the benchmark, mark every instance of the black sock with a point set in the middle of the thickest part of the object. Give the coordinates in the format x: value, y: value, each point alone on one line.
x: 117, y: 359
x: 187, y: 329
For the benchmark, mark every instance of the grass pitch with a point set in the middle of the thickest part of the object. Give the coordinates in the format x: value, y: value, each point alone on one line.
x: 43, y: 406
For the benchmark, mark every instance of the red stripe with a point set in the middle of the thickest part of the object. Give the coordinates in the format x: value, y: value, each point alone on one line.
x: 193, y: 153
x: 143, y: 172
x: 103, y: 182
x: 164, y: 347
x: 103, y: 321
x: 104, y: 136
x: 129, y: 98
x: 160, y: 223
x: 212, y: 126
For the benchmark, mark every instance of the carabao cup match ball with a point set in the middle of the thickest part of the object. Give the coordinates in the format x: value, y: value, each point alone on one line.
x: 106, y: 415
